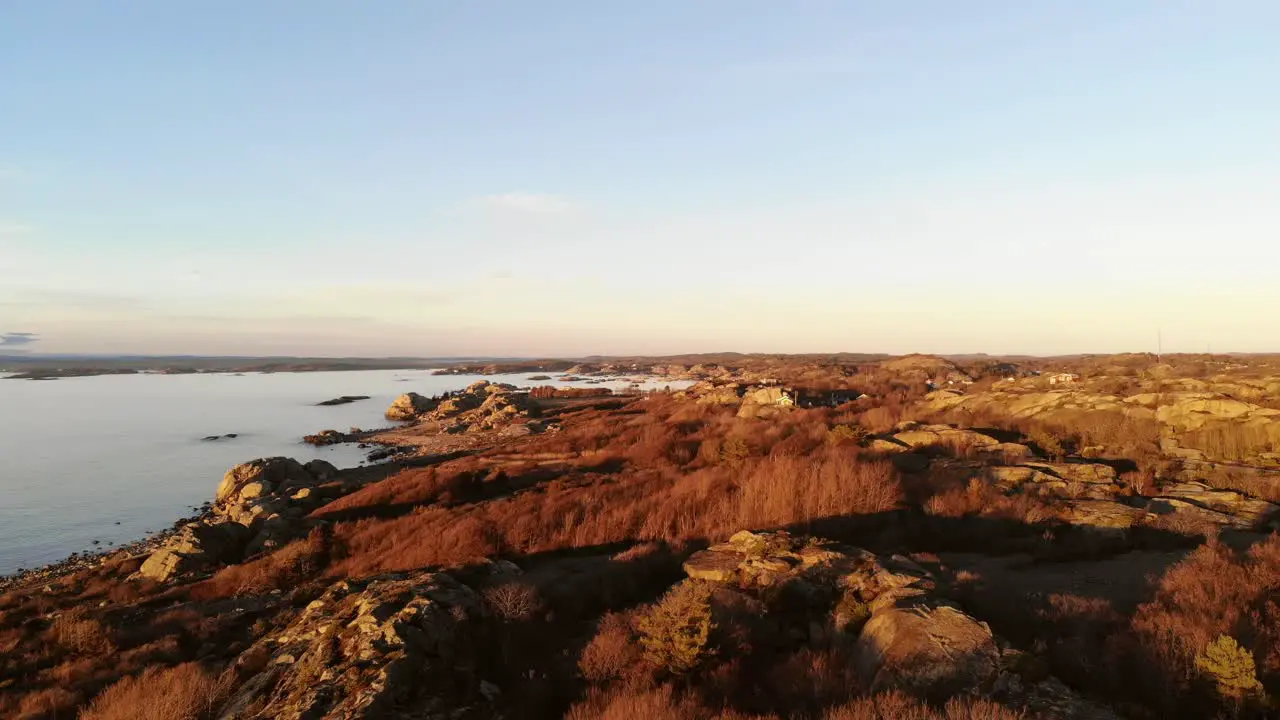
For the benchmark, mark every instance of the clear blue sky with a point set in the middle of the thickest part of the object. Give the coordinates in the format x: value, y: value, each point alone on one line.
x: 528, y: 177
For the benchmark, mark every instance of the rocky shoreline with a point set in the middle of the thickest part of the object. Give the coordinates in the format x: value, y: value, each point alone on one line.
x: 86, y: 559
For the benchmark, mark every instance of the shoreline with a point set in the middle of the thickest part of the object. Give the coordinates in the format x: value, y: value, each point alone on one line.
x: 85, y: 559
x: 383, y: 445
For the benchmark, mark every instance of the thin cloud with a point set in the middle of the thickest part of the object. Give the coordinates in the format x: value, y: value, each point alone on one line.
x: 13, y: 339
x: 525, y: 202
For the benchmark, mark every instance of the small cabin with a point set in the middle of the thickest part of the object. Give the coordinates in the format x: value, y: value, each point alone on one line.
x: 1063, y: 378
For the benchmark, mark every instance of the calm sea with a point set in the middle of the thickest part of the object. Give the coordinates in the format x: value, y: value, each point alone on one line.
x: 111, y: 458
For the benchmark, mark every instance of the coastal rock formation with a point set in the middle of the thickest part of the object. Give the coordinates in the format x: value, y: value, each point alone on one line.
x: 196, y: 546
x: 409, y: 406
x: 259, y: 505
x: 389, y: 646
x: 905, y: 634
x: 343, y: 400
x: 481, y: 406
x: 270, y: 497
x: 238, y: 495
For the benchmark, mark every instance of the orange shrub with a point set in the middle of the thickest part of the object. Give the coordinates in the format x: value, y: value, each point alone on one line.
x: 184, y: 692
x: 612, y: 651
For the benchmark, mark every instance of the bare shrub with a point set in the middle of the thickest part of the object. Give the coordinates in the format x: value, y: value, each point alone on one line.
x: 847, y: 433
x: 810, y: 679
x: 629, y: 703
x: 513, y: 601
x: 280, y: 570
x: 785, y: 490
x: 734, y: 451
x: 1232, y: 441
x: 78, y: 632
x: 1214, y: 592
x: 897, y: 706
x: 611, y: 652
x: 52, y: 702
x: 183, y: 692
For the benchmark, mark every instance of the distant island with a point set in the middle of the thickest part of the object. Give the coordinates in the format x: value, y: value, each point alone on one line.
x: 53, y: 367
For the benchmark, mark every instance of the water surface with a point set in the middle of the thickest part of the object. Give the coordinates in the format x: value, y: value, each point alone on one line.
x: 109, y: 458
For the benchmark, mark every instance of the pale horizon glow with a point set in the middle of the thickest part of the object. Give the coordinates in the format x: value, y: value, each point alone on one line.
x: 430, y: 179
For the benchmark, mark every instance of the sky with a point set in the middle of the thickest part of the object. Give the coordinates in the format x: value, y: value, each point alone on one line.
x: 568, y: 177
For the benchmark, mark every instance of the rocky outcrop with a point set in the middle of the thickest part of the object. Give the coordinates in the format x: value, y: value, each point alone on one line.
x: 1091, y: 495
x: 765, y: 403
x: 905, y: 635
x: 390, y: 646
x: 712, y: 394
x: 196, y: 546
x: 259, y: 505
x: 1191, y: 411
x: 925, y: 647
x: 343, y: 400
x: 1179, y: 411
x: 1059, y: 480
x: 1199, y: 504
x: 245, y: 489
x: 409, y: 406
x: 270, y: 497
x: 481, y: 406
x: 912, y: 640
x: 944, y: 436
x: 926, y: 367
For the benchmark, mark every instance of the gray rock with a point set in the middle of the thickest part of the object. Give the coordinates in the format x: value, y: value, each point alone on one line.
x: 392, y: 646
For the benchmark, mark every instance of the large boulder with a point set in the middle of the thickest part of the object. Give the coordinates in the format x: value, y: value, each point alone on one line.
x: 255, y: 478
x: 389, y: 646
x: 409, y: 406
x: 197, y: 546
x: 259, y: 505
x: 274, y: 496
x: 925, y: 646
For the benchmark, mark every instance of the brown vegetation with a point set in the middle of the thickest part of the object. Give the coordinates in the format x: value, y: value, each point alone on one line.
x: 599, y: 511
x: 183, y: 692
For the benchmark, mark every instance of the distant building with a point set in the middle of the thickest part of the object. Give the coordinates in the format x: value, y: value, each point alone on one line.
x: 825, y: 398
x: 1063, y: 378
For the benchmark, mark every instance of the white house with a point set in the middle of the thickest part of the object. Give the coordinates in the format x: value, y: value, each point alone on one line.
x: 1063, y: 378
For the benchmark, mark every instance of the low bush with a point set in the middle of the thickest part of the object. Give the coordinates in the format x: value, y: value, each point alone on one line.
x: 675, y: 631
x: 184, y: 692
x: 612, y: 651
